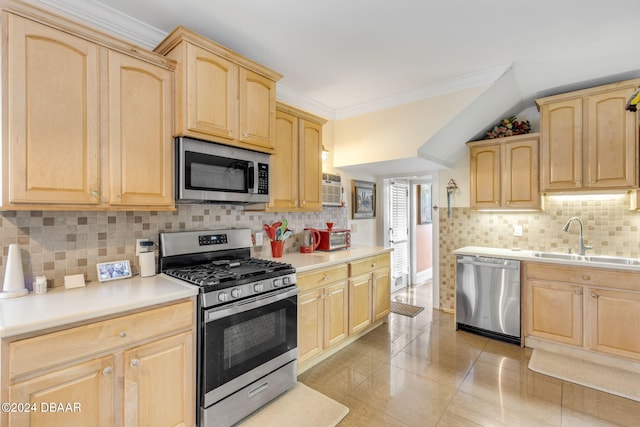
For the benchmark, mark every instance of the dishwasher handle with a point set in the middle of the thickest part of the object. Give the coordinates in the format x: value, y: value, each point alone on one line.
x: 504, y: 264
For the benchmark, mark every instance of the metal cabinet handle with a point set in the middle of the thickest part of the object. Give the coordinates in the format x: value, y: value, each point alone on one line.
x: 122, y: 334
x: 594, y: 295
x: 107, y: 370
x: 135, y: 362
x: 578, y: 292
x: 585, y: 277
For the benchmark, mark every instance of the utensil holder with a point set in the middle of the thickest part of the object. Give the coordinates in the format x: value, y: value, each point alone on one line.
x: 276, y: 248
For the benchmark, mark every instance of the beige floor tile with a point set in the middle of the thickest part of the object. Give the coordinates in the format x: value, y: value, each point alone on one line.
x: 605, y: 406
x: 571, y: 418
x: 485, y: 413
x: 453, y: 420
x: 433, y: 370
x: 405, y: 396
x: 534, y: 395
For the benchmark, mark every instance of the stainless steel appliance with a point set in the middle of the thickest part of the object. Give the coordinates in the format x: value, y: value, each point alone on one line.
x: 210, y: 172
x: 488, y: 296
x: 247, y: 321
x: 331, y: 240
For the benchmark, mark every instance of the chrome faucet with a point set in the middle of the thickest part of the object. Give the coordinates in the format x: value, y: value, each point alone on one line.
x: 582, y: 248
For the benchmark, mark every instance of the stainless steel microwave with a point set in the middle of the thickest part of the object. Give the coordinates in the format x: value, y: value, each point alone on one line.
x: 207, y: 172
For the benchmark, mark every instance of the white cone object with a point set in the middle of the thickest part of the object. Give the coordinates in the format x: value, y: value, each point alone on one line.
x: 13, y: 276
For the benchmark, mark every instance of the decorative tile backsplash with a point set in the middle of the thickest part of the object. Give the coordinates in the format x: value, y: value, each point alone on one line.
x: 609, y: 226
x: 59, y: 243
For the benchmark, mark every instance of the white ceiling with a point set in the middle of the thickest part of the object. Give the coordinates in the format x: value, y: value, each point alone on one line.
x: 342, y: 58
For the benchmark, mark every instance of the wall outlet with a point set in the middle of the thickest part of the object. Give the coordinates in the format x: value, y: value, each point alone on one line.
x: 259, y: 238
x: 139, y: 247
x: 517, y: 230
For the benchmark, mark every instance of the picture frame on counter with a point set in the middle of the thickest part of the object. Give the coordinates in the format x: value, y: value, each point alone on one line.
x: 424, y: 204
x: 363, y: 195
x: 113, y: 270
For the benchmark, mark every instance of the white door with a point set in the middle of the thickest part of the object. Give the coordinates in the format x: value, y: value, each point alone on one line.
x: 399, y: 234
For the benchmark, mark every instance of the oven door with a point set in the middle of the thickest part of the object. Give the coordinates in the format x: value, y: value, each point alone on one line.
x: 247, y: 340
x: 206, y: 171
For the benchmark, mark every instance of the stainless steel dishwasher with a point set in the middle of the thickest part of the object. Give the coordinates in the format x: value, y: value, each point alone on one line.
x: 488, y: 296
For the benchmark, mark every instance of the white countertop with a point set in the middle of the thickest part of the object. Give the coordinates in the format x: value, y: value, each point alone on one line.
x: 60, y: 306
x: 527, y: 255
x: 319, y: 259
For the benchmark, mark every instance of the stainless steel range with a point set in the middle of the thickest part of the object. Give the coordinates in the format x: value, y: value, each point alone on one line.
x: 247, y: 321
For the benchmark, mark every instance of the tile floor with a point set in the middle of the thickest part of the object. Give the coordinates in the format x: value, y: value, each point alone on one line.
x: 421, y: 372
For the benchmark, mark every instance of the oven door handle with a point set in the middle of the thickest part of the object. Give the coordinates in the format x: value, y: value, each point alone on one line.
x: 242, y: 306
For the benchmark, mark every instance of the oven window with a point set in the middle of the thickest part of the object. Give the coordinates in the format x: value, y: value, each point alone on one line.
x: 215, y: 173
x: 255, y: 336
x: 238, y: 343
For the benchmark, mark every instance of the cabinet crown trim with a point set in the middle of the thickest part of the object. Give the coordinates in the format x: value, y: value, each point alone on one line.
x: 180, y: 34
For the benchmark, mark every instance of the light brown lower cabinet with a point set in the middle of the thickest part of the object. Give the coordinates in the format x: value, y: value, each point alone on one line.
x: 134, y: 370
x: 335, y: 306
x: 615, y: 316
x: 322, y: 311
x: 591, y: 309
x: 554, y: 311
x: 369, y: 291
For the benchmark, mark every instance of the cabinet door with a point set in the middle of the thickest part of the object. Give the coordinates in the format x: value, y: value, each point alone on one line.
x: 52, y: 104
x: 310, y: 165
x: 284, y: 163
x: 485, y: 176
x: 87, y: 387
x: 212, y: 94
x: 561, y: 145
x: 611, y: 140
x: 140, y: 133
x: 336, y: 323
x: 310, y: 324
x: 614, y: 317
x: 554, y: 312
x: 257, y: 109
x: 359, y: 303
x: 520, y: 182
x: 381, y: 294
x: 159, y: 386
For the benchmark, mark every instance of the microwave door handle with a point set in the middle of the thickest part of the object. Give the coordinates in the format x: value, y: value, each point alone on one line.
x: 252, y: 184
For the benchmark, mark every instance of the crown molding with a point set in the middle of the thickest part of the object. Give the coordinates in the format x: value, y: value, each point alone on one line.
x: 108, y: 20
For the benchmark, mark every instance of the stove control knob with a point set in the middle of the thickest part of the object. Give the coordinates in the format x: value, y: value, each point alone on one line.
x: 258, y: 287
x: 222, y: 297
x: 235, y: 293
x: 277, y: 283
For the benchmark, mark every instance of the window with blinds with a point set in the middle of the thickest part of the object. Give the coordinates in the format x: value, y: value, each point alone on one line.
x: 400, y: 232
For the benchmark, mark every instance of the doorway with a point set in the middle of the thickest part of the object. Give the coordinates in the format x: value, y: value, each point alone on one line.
x: 411, y: 232
x: 399, y: 233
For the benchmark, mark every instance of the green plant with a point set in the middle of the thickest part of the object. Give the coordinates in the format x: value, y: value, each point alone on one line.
x: 509, y: 126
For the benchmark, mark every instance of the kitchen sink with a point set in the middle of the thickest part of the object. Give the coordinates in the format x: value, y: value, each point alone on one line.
x: 588, y: 258
x: 558, y: 255
x: 612, y: 259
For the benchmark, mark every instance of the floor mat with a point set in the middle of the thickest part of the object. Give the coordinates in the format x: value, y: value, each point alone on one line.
x: 620, y: 382
x: 405, y: 309
x: 299, y: 406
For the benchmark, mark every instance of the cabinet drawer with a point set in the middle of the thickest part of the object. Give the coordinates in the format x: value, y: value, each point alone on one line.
x: 322, y: 277
x: 75, y: 343
x: 367, y: 265
x: 601, y: 277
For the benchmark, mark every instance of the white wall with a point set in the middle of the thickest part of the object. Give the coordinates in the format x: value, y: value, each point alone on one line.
x: 396, y: 133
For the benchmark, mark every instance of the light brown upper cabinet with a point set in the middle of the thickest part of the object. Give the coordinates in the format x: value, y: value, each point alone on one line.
x: 296, y: 165
x: 220, y: 95
x: 504, y: 173
x: 588, y: 141
x: 87, y: 119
